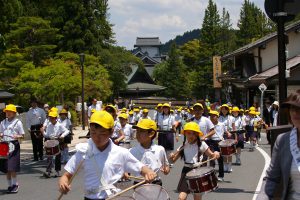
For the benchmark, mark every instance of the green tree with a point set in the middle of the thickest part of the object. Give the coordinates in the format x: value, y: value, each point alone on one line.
x: 35, y: 38
x: 253, y: 24
x: 172, y: 74
x: 10, y: 10
x: 60, y: 80
x: 210, y: 32
x: 190, y: 53
x: 227, y: 34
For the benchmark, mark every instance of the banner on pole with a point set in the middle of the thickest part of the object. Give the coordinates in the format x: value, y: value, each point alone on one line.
x: 217, y: 71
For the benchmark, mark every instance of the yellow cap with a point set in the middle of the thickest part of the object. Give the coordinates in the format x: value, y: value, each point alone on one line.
x: 136, y: 110
x: 246, y: 110
x: 199, y: 105
x: 110, y: 106
x: 131, y: 112
x: 93, y: 110
x: 10, y: 107
x: 252, y: 108
x: 257, y: 113
x: 192, y: 126
x: 53, y: 109
x: 146, y: 124
x: 145, y: 111
x: 159, y: 105
x: 53, y: 114
x: 235, y: 109
x: 208, y: 108
x: 225, y: 105
x: 166, y: 105
x: 102, y: 118
x: 252, y: 112
x: 214, y: 112
x: 241, y: 110
x: 123, y: 115
x: 63, y: 111
x: 172, y: 111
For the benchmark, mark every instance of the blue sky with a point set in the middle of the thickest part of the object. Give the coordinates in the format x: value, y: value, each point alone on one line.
x: 163, y: 18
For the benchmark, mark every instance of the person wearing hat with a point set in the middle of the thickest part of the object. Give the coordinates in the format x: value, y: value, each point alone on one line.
x: 57, y: 131
x: 35, y: 118
x: 152, y: 155
x: 145, y: 114
x: 274, y: 113
x: 131, y: 117
x: 11, y: 130
x: 228, y: 121
x: 118, y: 134
x: 205, y: 125
x: 191, y: 151
x: 95, y: 106
x: 178, y: 120
x: 103, y: 163
x: 136, y: 115
x: 66, y: 122
x: 127, y: 129
x: 283, y: 174
x: 240, y: 133
x: 213, y: 142
x: 158, y: 112
x: 166, y: 126
x: 251, y: 124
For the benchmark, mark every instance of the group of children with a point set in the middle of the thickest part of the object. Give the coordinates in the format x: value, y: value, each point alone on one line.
x: 105, y: 162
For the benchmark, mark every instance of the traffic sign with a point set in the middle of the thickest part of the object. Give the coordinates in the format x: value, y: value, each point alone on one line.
x: 262, y: 87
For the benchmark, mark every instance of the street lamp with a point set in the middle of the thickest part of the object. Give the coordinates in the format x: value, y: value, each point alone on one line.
x: 82, y: 56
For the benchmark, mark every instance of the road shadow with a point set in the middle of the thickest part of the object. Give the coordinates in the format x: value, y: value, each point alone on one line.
x: 232, y: 190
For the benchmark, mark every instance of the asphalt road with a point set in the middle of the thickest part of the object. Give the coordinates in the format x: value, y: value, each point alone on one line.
x: 240, y: 184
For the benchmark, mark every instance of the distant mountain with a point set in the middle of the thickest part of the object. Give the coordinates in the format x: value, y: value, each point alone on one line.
x: 181, y: 39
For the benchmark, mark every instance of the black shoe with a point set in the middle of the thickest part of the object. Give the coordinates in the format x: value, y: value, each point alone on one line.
x: 35, y: 159
x: 9, y: 189
x: 47, y: 174
x: 15, y: 189
x: 41, y: 158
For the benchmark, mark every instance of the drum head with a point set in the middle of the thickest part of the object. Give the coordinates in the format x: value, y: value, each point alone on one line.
x: 226, y: 143
x: 198, y: 172
x: 150, y: 192
x: 51, y: 143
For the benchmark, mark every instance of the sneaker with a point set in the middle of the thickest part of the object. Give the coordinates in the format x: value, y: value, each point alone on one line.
x: 9, y: 189
x: 238, y: 162
x: 15, y: 189
x: 57, y: 174
x: 47, y: 174
x: 220, y: 179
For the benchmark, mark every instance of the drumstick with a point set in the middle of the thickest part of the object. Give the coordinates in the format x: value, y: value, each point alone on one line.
x: 201, y: 163
x: 137, y: 178
x: 71, y: 179
x: 127, y: 189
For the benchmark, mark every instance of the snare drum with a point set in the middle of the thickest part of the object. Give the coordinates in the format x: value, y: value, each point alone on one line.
x: 52, y: 147
x: 227, y: 147
x: 150, y: 192
x: 4, y: 150
x: 202, y: 180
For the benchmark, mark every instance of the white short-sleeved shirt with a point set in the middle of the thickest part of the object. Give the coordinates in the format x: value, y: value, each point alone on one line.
x: 154, y: 157
x: 35, y: 116
x: 128, y: 131
x: 220, y: 129
x: 110, y: 164
x: 191, y: 151
x: 144, y: 118
x: 11, y: 128
x: 131, y: 119
x: 55, y: 131
x: 178, y: 117
x: 205, y: 124
x: 227, y: 120
x: 165, y: 122
x: 66, y: 123
x: 239, y: 123
x: 117, y: 128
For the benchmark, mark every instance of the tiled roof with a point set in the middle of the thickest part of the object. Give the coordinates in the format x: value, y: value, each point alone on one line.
x: 147, y: 41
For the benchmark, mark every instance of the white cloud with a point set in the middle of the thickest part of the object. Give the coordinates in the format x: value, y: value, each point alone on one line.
x: 163, y: 18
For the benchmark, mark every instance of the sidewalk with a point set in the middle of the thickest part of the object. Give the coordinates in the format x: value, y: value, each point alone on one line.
x: 26, y: 143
